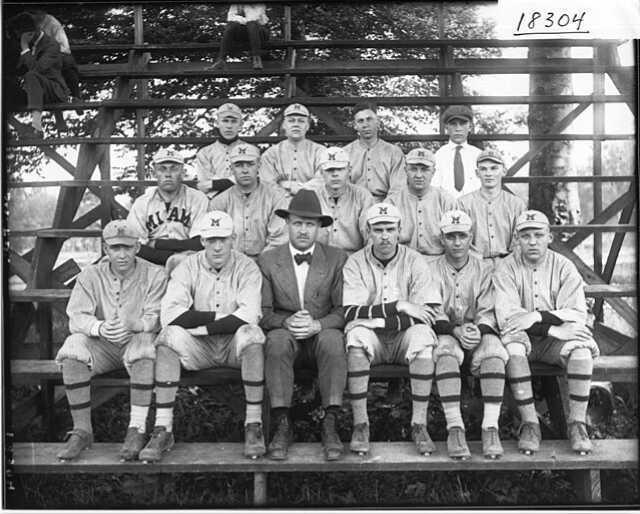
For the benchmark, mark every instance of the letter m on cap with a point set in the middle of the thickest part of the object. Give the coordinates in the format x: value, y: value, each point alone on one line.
x: 383, y: 210
x: 531, y: 217
x: 242, y: 150
x: 215, y: 222
x: 455, y: 219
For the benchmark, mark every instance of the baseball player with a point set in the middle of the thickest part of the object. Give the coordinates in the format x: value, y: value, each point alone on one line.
x: 422, y: 205
x: 375, y: 164
x: 493, y: 210
x: 210, y: 320
x: 388, y: 296
x: 542, y: 315
x: 252, y: 204
x: 164, y: 216
x: 466, y: 328
x: 456, y: 161
x: 114, y: 317
x: 293, y: 163
x: 347, y: 203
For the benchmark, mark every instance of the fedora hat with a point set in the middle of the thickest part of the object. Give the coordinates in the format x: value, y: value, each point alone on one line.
x: 306, y: 205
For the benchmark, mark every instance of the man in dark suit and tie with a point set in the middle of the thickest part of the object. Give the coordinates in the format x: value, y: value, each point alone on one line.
x: 303, y: 320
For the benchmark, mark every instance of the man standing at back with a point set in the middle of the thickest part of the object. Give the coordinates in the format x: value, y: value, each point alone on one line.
x: 375, y: 164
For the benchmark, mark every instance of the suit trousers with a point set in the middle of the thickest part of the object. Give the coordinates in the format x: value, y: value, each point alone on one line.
x: 238, y: 35
x: 34, y: 90
x: 324, y: 352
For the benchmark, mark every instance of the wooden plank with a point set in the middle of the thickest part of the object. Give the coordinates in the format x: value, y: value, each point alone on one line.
x: 67, y: 270
x: 40, y: 295
x: 593, y: 228
x: 55, y: 233
x: 610, y: 290
x: 308, y: 457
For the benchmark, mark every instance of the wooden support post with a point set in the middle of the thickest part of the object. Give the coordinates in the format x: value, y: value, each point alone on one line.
x: 289, y: 81
x: 598, y: 129
x: 143, y: 92
x: 260, y: 489
x: 587, y: 486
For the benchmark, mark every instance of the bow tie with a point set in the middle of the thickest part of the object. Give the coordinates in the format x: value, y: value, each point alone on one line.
x: 302, y: 257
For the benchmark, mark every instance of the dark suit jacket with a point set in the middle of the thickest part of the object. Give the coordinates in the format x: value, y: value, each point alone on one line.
x: 46, y: 60
x: 322, y: 293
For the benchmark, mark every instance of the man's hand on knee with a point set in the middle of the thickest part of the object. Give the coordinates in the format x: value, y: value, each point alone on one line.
x: 570, y: 331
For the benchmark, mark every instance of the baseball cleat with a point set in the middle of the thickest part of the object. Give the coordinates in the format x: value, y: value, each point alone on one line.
x: 491, y: 445
x: 133, y: 444
x: 457, y: 444
x: 422, y: 440
x: 161, y: 441
x: 254, y: 445
x: 77, y: 440
x: 360, y: 439
x: 529, y: 438
x: 579, y: 438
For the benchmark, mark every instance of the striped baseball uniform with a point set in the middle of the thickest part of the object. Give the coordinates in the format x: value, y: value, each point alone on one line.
x: 349, y: 228
x: 494, y: 221
x: 443, y: 177
x: 155, y: 219
x: 420, y: 228
x: 212, y: 163
x: 286, y: 161
x: 256, y: 225
x: 380, y: 168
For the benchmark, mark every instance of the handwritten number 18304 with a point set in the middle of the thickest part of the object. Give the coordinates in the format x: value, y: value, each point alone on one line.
x: 552, y: 22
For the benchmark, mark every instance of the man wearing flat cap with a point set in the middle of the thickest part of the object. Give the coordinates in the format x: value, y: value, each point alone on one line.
x: 213, y: 163
x: 252, y: 203
x: 163, y: 217
x: 293, y: 163
x: 114, y: 318
x: 456, y: 161
x: 302, y: 317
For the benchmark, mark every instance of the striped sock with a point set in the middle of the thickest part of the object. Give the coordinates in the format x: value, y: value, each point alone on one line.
x: 142, y: 378
x: 519, y: 378
x: 77, y: 383
x: 167, y: 379
x: 421, y: 375
x: 253, y: 381
x: 492, y: 386
x: 449, y: 385
x: 579, y: 370
x: 358, y: 383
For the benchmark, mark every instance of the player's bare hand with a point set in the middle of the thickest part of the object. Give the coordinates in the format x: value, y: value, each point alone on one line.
x: 285, y: 184
x: 204, y: 185
x: 366, y: 323
x: 521, y: 321
x: 114, y: 331
x: 295, y: 186
x: 133, y: 324
x: 198, y: 331
x: 25, y: 40
x: 469, y: 335
x: 422, y: 313
x: 569, y: 331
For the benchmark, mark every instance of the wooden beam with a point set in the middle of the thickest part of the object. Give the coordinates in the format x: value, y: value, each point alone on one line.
x: 325, y: 117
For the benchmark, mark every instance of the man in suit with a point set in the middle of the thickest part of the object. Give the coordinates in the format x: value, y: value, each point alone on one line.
x: 302, y: 317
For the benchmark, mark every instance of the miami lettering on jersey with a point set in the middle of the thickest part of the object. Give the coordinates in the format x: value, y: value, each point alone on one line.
x: 181, y: 216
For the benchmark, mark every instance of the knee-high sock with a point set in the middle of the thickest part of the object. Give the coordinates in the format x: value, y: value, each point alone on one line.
x: 579, y: 370
x: 167, y: 378
x: 519, y: 378
x: 142, y: 378
x: 358, y: 383
x: 253, y: 381
x: 449, y: 385
x: 421, y: 375
x: 77, y: 384
x: 492, y: 385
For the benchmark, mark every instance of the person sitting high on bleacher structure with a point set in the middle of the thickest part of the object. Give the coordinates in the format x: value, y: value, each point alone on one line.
x: 164, y: 216
x: 114, y: 317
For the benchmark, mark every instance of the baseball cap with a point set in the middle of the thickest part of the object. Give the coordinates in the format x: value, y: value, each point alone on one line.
x: 420, y: 156
x: 455, y: 221
x: 334, y: 157
x: 531, y: 219
x: 119, y: 232
x: 213, y: 224
x: 168, y: 155
x: 383, y: 213
x: 244, y: 152
x: 229, y: 110
x: 463, y: 112
x: 490, y: 155
x: 296, y: 109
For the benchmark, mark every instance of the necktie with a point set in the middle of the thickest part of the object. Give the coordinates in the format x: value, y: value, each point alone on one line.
x: 458, y: 169
x: 302, y: 257
x: 241, y: 10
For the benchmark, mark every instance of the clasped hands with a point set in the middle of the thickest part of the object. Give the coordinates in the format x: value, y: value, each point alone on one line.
x: 302, y: 325
x: 119, y: 330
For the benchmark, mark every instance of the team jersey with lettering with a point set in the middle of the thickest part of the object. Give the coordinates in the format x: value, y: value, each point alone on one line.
x: 349, y: 228
x: 212, y: 163
x: 257, y: 226
x: 380, y: 168
x: 285, y: 161
x: 420, y: 227
x: 234, y: 289
x: 444, y: 178
x: 154, y: 219
x: 494, y: 221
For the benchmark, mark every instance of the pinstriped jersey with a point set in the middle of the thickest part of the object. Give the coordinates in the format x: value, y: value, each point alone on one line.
x: 380, y: 168
x: 494, y: 221
x: 257, y: 226
x: 405, y: 277
x: 195, y: 284
x: 420, y: 227
x: 212, y: 163
x: 467, y: 293
x: 99, y: 295
x: 553, y: 285
x: 349, y: 228
x: 286, y: 161
x: 154, y: 219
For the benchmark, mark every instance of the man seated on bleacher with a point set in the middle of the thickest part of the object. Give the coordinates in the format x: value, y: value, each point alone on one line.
x: 37, y: 77
x: 114, y: 317
x: 164, y: 215
x: 542, y: 314
x: 209, y: 317
x: 467, y: 330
